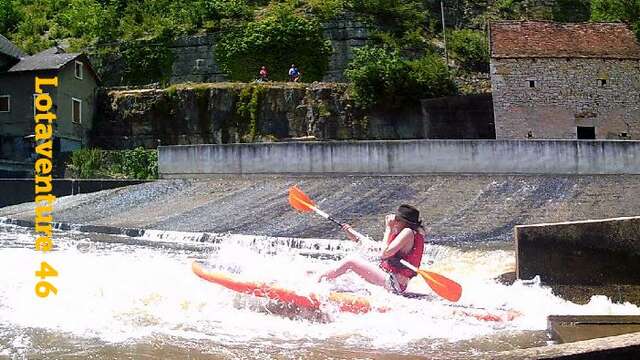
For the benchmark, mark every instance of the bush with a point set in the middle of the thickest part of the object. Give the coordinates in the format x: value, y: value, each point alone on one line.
x: 137, y: 164
x: 381, y: 74
x: 571, y: 10
x: 394, y: 16
x: 627, y: 11
x: 8, y: 16
x: 275, y: 41
x: 147, y: 61
x: 87, y: 163
x: 470, y: 48
x: 327, y: 9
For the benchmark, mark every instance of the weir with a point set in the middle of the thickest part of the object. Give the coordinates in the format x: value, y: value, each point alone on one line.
x: 164, y: 225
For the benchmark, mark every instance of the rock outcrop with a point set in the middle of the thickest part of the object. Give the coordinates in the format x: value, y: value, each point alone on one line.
x: 219, y: 113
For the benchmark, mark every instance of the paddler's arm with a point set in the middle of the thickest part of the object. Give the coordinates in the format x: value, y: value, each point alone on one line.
x: 402, y: 241
x: 364, y: 242
x: 347, y: 229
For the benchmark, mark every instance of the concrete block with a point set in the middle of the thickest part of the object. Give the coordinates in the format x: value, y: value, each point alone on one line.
x: 571, y: 328
x: 591, y: 253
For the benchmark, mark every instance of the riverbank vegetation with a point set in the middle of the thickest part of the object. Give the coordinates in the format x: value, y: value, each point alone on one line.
x: 138, y: 164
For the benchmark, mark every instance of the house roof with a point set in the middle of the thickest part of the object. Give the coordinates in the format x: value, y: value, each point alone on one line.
x: 42, y: 61
x: 7, y: 48
x: 541, y: 39
x: 51, y: 59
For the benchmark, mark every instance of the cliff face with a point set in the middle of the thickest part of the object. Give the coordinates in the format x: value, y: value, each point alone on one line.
x: 218, y: 113
x: 225, y: 112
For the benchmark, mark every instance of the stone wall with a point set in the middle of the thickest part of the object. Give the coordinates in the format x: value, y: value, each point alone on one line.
x: 459, y: 117
x: 194, y: 60
x: 566, y: 93
x: 345, y: 34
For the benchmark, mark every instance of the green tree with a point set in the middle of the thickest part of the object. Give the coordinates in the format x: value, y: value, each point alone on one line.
x: 572, y: 10
x: 9, y: 17
x: 381, y: 74
x: 277, y: 40
x: 627, y: 11
x: 470, y: 48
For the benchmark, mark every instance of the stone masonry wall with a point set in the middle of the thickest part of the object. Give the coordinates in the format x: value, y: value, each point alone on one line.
x: 567, y: 93
x: 195, y: 61
x: 345, y: 34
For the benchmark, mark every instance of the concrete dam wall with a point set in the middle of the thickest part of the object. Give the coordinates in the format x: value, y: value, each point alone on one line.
x: 404, y: 157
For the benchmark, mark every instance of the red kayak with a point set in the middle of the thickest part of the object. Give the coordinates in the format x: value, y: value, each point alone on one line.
x: 345, y: 302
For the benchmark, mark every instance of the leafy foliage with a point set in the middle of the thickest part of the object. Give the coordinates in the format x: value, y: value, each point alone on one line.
x: 381, y: 73
x: 277, y: 40
x: 470, y: 48
x: 571, y: 10
x: 617, y: 10
x: 138, y: 164
x: 147, y: 60
x: 9, y: 17
x: 86, y: 163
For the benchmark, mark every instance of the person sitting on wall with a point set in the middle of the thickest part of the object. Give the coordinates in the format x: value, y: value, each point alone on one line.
x: 294, y: 73
x: 264, y: 74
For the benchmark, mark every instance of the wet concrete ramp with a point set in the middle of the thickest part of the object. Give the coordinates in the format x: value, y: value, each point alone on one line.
x: 457, y: 208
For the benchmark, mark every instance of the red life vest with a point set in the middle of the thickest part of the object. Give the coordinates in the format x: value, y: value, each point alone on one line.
x: 414, y: 257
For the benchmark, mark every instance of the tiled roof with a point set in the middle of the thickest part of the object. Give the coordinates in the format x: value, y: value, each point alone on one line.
x: 540, y: 39
x: 7, y: 48
x: 44, y: 62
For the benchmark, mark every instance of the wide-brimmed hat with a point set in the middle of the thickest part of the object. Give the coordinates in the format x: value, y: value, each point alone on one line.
x: 409, y: 215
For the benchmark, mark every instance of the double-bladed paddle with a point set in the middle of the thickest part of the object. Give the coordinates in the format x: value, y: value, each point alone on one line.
x: 441, y: 285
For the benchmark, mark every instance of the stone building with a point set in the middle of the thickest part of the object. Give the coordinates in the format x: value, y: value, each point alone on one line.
x: 73, y: 99
x: 565, y: 81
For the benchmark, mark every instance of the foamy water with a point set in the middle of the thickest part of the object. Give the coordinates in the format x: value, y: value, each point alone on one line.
x: 111, y: 293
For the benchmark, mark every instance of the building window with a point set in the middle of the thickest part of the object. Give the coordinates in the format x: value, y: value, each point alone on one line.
x: 532, y: 83
x: 78, y: 69
x: 586, y: 132
x: 199, y: 64
x: 76, y: 116
x: 602, y: 82
x: 5, y: 103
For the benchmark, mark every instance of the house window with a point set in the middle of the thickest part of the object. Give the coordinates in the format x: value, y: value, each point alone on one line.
x: 602, y: 82
x: 5, y: 103
x: 586, y: 132
x: 79, y: 70
x: 76, y: 116
x: 532, y: 83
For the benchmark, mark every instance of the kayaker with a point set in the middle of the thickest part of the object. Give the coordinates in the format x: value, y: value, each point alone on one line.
x: 404, y: 238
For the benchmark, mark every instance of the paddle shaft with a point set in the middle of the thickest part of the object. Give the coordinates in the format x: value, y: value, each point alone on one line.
x: 330, y: 218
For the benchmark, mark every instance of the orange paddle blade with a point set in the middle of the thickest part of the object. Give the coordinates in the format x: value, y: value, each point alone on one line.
x: 299, y: 200
x: 441, y: 285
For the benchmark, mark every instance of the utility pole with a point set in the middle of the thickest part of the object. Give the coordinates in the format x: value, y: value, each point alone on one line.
x: 444, y: 34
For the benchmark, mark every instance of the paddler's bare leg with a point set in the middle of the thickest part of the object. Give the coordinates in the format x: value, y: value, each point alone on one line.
x: 365, y: 269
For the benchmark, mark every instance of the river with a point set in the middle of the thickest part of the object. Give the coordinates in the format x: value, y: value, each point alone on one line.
x: 122, y: 297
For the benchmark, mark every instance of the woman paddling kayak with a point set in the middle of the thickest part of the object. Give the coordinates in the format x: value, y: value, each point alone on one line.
x: 404, y: 238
